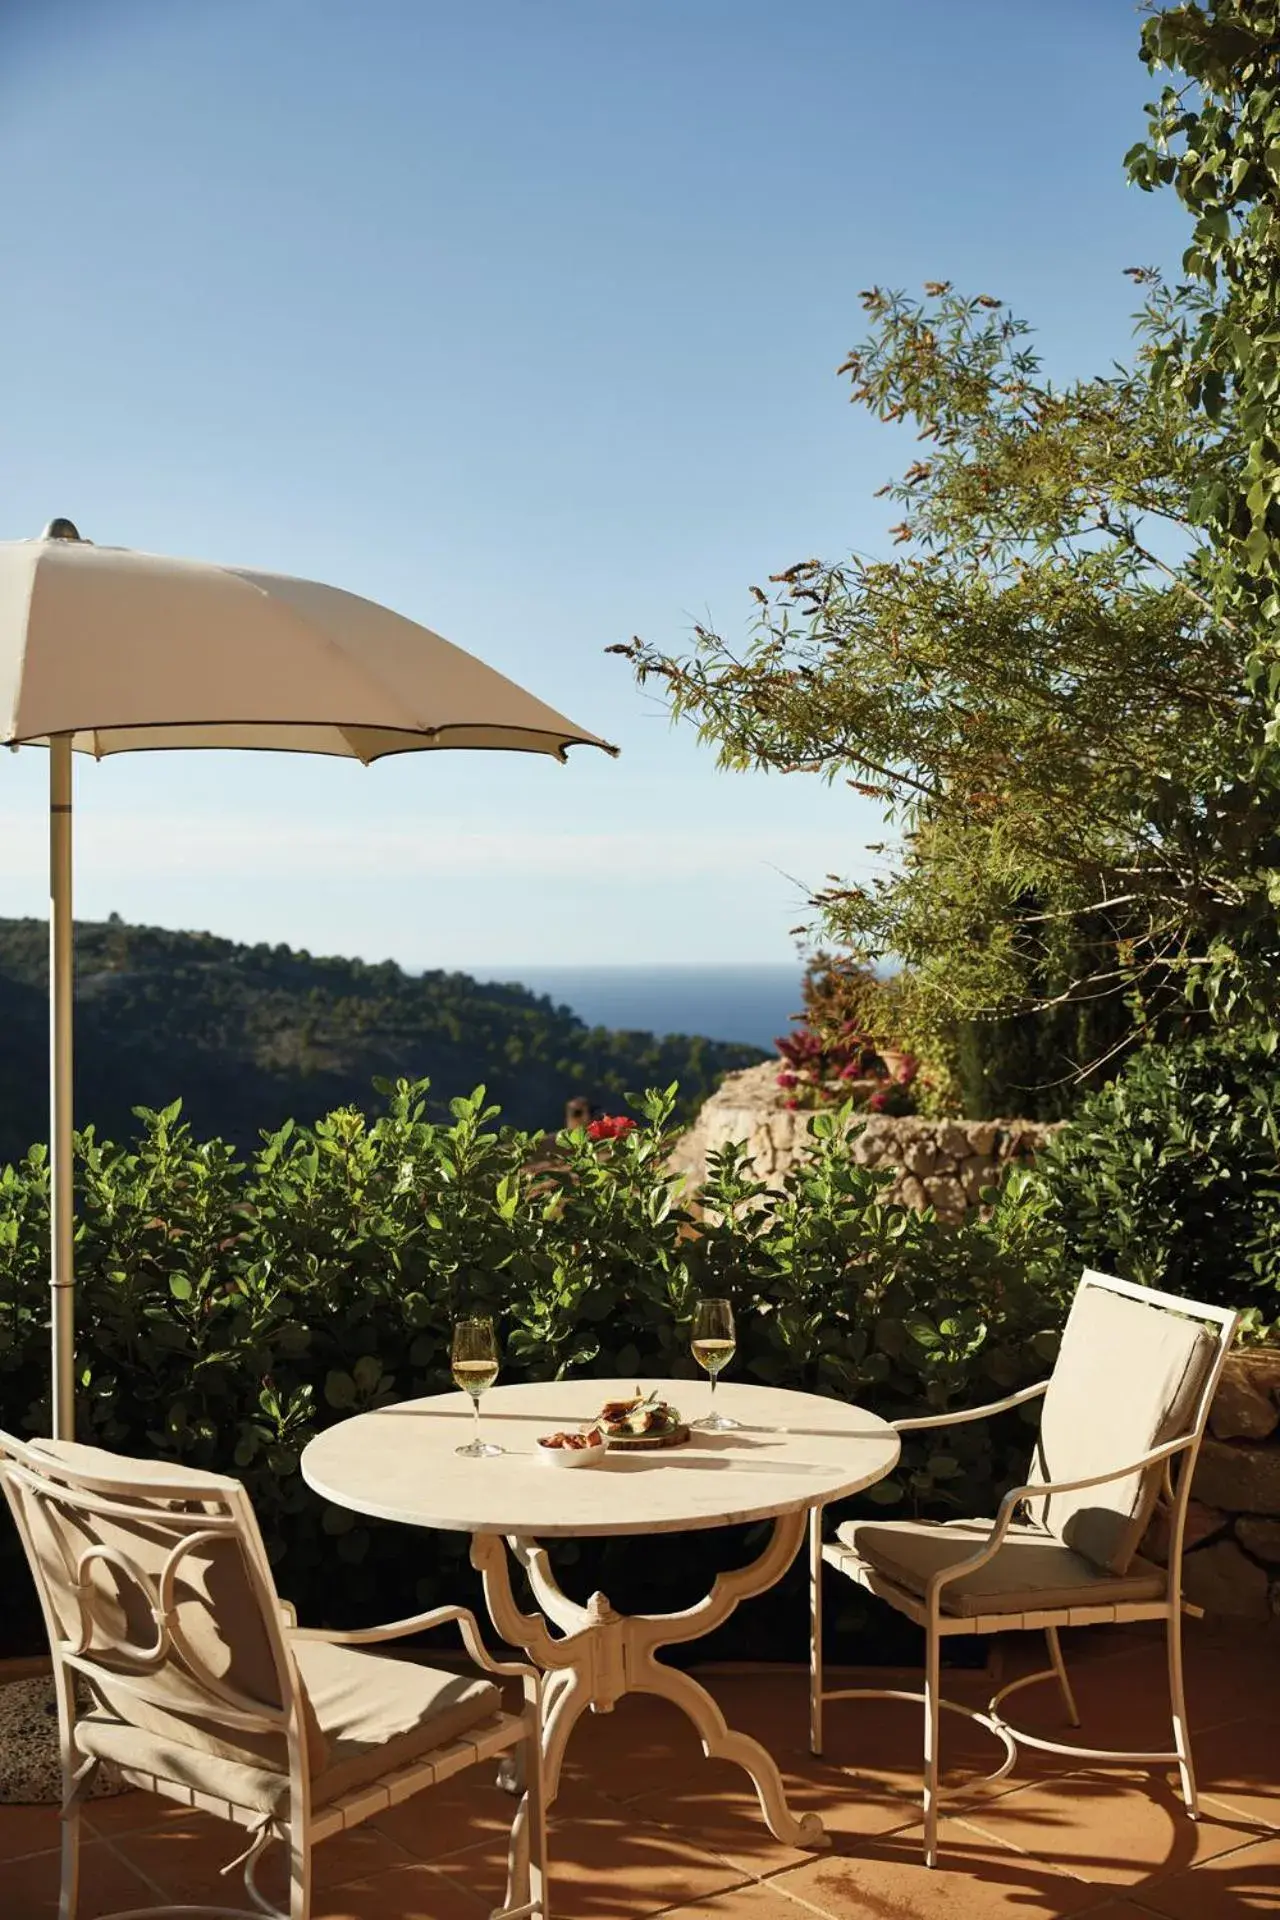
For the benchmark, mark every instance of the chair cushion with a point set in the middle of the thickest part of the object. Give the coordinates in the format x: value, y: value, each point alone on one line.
x: 220, y: 1606
x: 1127, y: 1379
x: 1032, y: 1571
x: 376, y: 1714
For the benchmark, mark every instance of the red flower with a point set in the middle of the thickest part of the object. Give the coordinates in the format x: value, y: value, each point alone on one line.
x: 878, y: 1102
x: 611, y: 1126
x: 786, y: 1079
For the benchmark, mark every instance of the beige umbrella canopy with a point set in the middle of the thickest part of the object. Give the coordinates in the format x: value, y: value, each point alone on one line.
x: 103, y: 650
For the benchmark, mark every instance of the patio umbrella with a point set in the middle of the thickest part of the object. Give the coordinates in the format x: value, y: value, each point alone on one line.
x: 103, y: 650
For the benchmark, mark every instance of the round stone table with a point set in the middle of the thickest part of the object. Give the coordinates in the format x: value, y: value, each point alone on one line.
x: 790, y: 1454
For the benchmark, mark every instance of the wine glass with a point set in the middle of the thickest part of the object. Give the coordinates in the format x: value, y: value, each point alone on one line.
x: 475, y: 1367
x: 714, y: 1343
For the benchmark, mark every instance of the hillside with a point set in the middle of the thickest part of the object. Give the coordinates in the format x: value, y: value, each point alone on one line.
x: 250, y: 1036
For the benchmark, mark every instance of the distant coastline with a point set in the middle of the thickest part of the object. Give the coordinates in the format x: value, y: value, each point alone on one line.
x: 734, y: 1001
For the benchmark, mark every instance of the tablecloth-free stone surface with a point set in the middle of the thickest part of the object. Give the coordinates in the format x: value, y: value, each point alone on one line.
x: 791, y: 1451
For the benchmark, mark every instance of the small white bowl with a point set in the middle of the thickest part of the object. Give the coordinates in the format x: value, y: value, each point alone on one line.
x: 574, y: 1456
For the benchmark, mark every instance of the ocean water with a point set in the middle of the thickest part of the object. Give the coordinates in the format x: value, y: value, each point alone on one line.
x: 751, y: 1004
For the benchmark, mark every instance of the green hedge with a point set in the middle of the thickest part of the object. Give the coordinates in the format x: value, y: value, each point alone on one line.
x: 229, y: 1309
x: 1171, y: 1176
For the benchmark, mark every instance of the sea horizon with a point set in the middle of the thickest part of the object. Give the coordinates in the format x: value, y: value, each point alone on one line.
x: 735, y: 1000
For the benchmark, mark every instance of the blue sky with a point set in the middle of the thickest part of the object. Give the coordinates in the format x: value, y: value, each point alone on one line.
x: 521, y: 316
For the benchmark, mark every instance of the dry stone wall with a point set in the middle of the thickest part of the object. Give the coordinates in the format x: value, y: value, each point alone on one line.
x: 1232, y: 1563
x: 944, y: 1164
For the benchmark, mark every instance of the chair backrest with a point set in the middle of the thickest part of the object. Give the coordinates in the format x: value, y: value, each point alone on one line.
x: 1135, y: 1369
x: 159, y: 1599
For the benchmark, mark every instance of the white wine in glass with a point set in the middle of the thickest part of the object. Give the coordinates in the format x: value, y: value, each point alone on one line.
x: 475, y: 1368
x: 714, y: 1344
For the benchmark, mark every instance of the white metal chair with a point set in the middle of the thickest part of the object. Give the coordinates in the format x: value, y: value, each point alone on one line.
x: 1130, y: 1392
x: 174, y: 1658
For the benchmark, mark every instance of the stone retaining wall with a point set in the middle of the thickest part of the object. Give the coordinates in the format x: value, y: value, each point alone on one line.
x: 945, y: 1164
x: 1232, y: 1563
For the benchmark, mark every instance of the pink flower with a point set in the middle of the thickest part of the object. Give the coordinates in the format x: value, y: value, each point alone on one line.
x: 787, y: 1080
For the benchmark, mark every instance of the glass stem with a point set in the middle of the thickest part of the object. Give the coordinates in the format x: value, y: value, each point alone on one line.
x: 475, y: 1402
x: 713, y: 1396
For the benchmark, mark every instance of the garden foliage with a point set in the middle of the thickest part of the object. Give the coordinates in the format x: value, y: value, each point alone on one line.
x: 229, y: 1308
x: 1171, y: 1177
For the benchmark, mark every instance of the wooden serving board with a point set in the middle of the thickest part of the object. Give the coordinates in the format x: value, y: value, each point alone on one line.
x: 648, y: 1442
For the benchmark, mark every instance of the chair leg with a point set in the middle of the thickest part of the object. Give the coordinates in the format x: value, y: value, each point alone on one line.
x: 1178, y: 1704
x: 69, y: 1896
x: 932, y: 1664
x: 299, y: 1874
x: 1060, y: 1668
x: 815, y: 1630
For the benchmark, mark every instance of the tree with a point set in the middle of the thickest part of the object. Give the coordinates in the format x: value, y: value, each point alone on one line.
x: 1214, y: 136
x: 1038, y: 686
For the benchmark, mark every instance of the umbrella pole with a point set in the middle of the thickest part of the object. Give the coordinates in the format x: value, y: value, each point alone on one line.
x: 62, y: 1165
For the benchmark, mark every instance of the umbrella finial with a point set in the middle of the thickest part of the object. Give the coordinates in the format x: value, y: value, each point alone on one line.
x: 61, y: 530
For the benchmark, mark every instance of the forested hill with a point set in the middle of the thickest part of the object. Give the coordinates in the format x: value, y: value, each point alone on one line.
x: 251, y: 1036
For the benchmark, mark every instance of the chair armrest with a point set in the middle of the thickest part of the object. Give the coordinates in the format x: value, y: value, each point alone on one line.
x: 1165, y: 1452
x: 468, y: 1625
x: 970, y: 1413
x: 1016, y: 1495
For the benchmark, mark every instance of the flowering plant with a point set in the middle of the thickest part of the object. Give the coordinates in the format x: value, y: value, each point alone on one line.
x: 841, y: 1048
x: 818, y: 1069
x: 611, y: 1126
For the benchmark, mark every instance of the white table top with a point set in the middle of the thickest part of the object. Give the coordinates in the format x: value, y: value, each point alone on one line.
x: 792, y: 1450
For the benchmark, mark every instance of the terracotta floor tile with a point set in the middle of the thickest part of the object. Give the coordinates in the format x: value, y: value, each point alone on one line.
x: 775, y: 1707
x: 1226, y: 1674
x: 1239, y: 1764
x: 465, y: 1812
x: 128, y: 1812
x: 605, y: 1865
x: 646, y: 1824
x: 1236, y: 1886
x: 29, y: 1888
x: 1121, y: 1910
x: 975, y: 1879
x: 753, y: 1903
x: 643, y: 1745
x: 1104, y: 1643
x: 27, y: 1830
x: 355, y: 1855
x: 1110, y: 1828
x: 1123, y: 1704
x: 185, y: 1857
x: 885, y: 1738
x: 712, y: 1804
x: 411, y: 1891
x: 719, y: 1812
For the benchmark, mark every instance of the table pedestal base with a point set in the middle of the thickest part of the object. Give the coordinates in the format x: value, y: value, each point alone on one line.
x: 598, y: 1655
